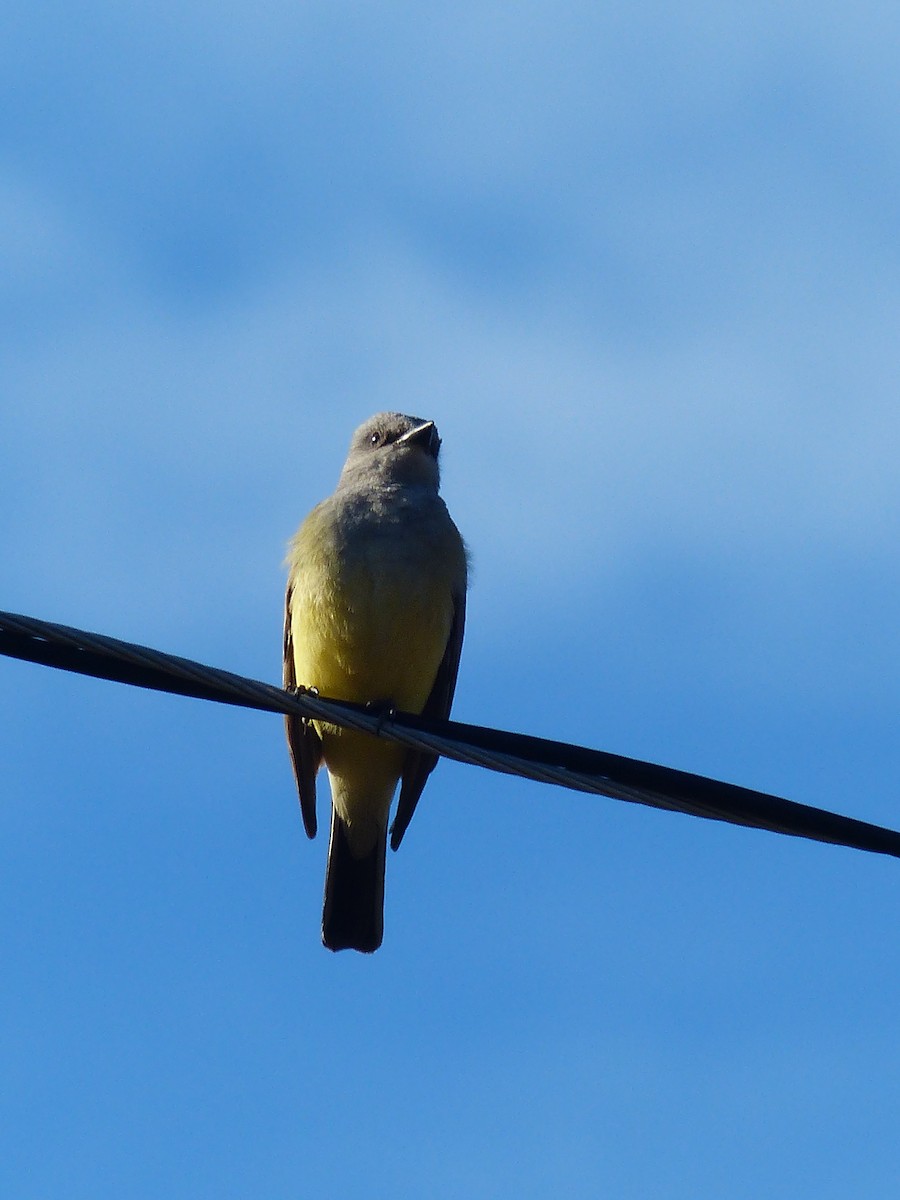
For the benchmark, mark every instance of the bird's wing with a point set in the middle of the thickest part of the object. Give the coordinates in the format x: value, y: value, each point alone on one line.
x: 303, y: 741
x: 419, y: 764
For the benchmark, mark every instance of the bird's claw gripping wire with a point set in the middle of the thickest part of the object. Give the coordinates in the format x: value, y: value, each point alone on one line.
x: 383, y: 712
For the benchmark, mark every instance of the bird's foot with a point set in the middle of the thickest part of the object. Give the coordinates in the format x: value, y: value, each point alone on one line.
x: 383, y: 710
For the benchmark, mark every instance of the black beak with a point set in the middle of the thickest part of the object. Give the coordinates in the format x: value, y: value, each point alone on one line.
x: 424, y: 436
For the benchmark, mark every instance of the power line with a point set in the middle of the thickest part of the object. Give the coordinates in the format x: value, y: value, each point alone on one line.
x: 540, y: 759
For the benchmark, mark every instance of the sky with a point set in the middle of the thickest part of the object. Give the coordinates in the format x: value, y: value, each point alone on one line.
x: 642, y: 267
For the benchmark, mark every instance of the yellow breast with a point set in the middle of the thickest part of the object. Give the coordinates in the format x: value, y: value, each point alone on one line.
x: 370, y: 623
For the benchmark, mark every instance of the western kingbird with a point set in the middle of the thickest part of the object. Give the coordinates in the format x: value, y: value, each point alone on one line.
x: 374, y: 613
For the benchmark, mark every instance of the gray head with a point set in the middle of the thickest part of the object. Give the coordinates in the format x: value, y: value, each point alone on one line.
x: 393, y: 448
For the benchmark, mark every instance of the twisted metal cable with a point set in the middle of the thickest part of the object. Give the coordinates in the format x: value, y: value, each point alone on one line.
x: 544, y: 761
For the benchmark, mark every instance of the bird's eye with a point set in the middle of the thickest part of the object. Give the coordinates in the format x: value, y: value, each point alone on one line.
x: 375, y: 439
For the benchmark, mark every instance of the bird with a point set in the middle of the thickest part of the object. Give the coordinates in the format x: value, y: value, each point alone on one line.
x: 374, y: 613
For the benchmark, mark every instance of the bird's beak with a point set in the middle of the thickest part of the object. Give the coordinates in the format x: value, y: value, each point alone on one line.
x: 425, y: 436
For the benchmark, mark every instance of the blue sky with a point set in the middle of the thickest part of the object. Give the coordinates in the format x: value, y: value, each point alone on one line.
x: 642, y: 268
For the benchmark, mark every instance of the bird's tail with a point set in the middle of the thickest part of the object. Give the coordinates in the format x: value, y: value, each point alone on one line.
x: 353, y: 916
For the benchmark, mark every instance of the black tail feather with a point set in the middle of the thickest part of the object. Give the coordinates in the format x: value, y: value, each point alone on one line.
x: 353, y: 916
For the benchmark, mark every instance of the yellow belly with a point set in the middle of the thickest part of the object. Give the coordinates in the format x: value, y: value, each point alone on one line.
x: 371, y: 627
